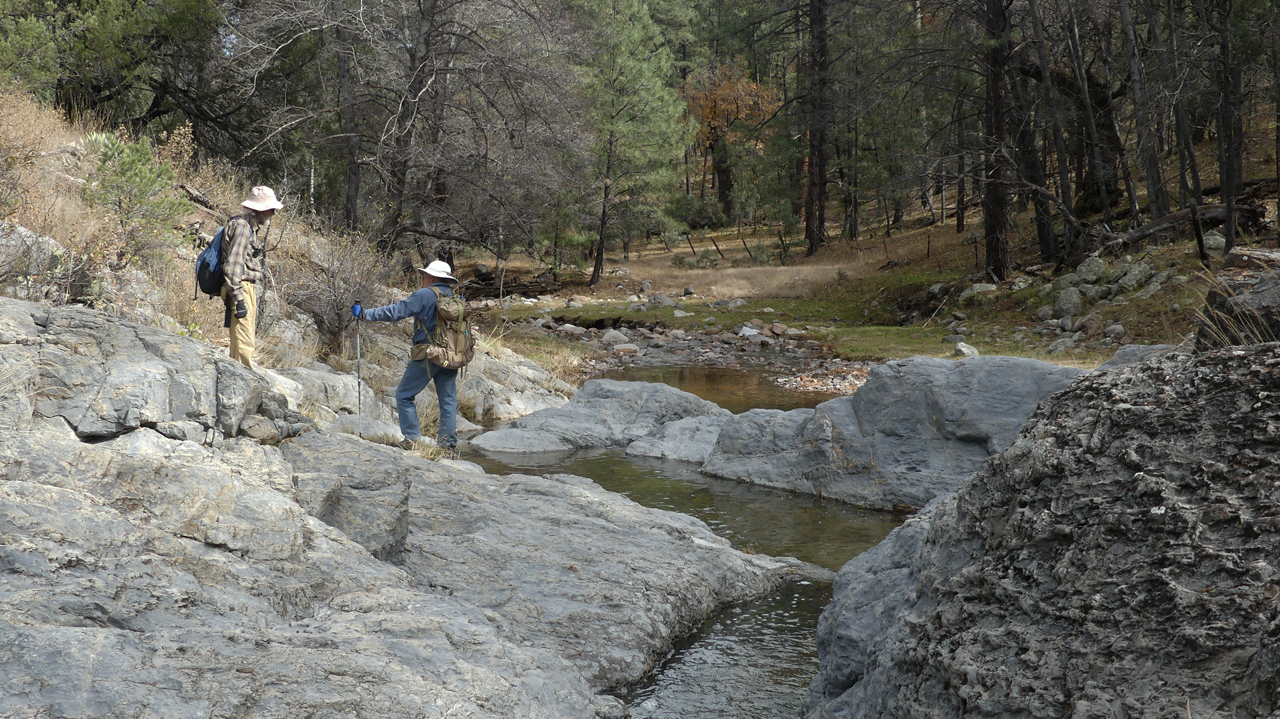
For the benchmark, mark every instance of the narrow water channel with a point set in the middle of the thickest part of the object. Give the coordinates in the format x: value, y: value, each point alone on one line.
x: 752, y: 660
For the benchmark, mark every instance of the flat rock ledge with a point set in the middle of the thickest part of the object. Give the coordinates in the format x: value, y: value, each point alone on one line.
x: 1119, y: 559
x: 145, y: 573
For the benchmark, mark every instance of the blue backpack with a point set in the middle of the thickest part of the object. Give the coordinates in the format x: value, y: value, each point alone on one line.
x: 209, y: 266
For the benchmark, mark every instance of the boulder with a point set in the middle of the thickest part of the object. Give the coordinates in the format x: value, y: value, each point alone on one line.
x: 916, y: 430
x: 1093, y: 268
x: 1242, y: 307
x: 1069, y: 303
x: 1114, y: 561
x: 604, y: 413
x: 328, y: 576
x: 500, y: 386
x: 1136, y: 276
x: 659, y: 300
x: 687, y: 440
x: 613, y: 337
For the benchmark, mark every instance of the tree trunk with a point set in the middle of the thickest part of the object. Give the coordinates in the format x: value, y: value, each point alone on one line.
x: 1033, y: 171
x: 995, y: 199
x: 815, y: 200
x: 1157, y: 199
x: 597, y: 271
x: 1091, y: 124
x: 351, y: 135
x: 1055, y: 120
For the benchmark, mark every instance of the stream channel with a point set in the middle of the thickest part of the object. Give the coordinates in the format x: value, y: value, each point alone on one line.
x: 752, y: 660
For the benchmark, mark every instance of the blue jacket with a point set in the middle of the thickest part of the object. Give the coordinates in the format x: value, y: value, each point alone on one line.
x: 420, y: 304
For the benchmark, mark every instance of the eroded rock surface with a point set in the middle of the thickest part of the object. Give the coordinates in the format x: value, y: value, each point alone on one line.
x: 1118, y: 560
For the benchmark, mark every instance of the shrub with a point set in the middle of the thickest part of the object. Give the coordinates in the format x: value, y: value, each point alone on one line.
x: 706, y: 260
x: 137, y: 189
x: 681, y: 261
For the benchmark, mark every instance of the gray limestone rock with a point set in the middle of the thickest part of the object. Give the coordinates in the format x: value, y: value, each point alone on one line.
x: 604, y: 413
x: 1069, y: 303
x: 1132, y: 354
x: 688, y: 440
x: 916, y: 430
x: 613, y: 337
x: 503, y: 387
x: 1136, y: 276
x: 106, y: 376
x: 1093, y: 268
x: 1116, y: 561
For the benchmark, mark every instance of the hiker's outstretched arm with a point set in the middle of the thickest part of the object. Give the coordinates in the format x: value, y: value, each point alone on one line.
x: 408, y: 307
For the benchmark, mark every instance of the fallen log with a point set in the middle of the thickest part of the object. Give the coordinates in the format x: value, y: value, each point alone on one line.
x: 1248, y: 216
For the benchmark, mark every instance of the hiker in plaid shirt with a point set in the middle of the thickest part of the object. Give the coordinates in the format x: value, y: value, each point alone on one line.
x: 242, y: 269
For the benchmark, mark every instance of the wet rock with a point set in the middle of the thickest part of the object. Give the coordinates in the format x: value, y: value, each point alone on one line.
x: 1071, y: 576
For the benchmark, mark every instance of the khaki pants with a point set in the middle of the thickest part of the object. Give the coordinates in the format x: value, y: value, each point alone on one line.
x: 242, y: 329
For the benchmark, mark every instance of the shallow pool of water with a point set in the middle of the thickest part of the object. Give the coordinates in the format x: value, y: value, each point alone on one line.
x: 752, y: 660
x: 737, y: 390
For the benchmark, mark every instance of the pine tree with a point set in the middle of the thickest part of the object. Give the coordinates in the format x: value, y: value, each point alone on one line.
x: 637, y: 116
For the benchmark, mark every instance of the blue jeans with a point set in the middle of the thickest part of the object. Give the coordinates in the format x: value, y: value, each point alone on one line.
x: 415, y: 379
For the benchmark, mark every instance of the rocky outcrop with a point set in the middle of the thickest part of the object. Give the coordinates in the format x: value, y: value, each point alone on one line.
x: 1118, y: 560
x: 604, y: 413
x: 505, y: 386
x: 104, y: 376
x: 916, y: 430
x: 147, y: 573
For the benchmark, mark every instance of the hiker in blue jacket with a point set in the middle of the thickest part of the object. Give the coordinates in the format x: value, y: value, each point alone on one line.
x: 422, y: 306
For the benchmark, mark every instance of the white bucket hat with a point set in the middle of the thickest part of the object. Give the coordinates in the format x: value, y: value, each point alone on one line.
x: 439, y: 269
x: 262, y: 198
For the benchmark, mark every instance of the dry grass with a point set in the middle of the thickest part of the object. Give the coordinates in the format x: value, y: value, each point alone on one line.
x: 562, y: 358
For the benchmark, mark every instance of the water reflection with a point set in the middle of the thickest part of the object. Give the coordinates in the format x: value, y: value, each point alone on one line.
x: 737, y: 390
x: 756, y: 519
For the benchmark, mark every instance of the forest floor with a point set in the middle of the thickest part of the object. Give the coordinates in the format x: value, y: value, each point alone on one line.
x: 870, y: 300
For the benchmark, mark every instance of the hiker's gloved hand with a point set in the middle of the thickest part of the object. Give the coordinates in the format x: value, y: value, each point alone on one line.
x: 241, y: 310
x: 356, y: 309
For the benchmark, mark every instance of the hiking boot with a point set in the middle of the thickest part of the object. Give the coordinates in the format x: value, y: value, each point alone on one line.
x: 449, y: 452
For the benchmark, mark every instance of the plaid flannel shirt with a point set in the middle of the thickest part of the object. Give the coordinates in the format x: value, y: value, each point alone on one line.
x: 242, y: 253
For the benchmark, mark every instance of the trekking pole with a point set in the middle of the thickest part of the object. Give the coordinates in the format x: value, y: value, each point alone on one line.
x: 358, y: 378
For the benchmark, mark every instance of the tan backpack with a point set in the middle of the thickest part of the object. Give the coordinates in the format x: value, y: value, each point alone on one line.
x: 452, y: 345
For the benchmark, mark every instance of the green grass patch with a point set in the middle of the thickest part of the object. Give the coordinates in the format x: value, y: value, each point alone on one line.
x: 877, y: 343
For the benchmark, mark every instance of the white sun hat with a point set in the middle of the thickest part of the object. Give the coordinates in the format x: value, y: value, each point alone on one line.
x: 262, y: 198
x: 439, y: 269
